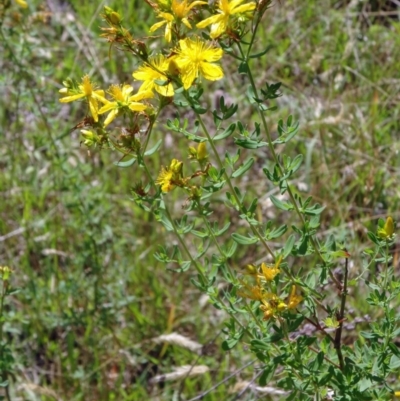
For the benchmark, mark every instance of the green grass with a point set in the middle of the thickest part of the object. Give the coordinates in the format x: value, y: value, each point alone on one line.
x: 92, y: 296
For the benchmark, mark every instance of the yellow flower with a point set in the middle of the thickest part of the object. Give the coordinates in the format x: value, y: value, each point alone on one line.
x: 123, y: 101
x: 149, y: 75
x: 171, y: 176
x: 219, y: 23
x: 272, y: 305
x: 84, y: 90
x: 22, y: 3
x: 179, y: 13
x: 270, y: 272
x: 194, y: 57
x: 253, y: 292
x: 388, y: 229
x: 294, y: 299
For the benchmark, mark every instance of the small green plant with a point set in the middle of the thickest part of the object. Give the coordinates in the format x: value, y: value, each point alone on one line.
x: 292, y: 306
x: 6, y: 358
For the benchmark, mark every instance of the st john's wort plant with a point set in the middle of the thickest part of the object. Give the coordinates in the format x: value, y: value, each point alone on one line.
x: 291, y: 306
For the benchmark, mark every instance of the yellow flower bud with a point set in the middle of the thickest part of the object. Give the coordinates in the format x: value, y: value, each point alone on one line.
x: 90, y: 137
x: 388, y: 229
x: 112, y: 16
x: 251, y: 269
x: 5, y: 272
x: 192, y: 152
x: 22, y: 3
x: 176, y: 166
x: 202, y: 151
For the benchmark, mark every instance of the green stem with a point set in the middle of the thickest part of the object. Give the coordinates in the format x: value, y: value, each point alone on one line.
x: 3, y: 295
x: 338, y: 335
x: 277, y: 162
x: 211, y: 233
x: 386, y: 268
x: 174, y: 227
x: 3, y: 373
x: 248, y: 308
x: 229, y: 182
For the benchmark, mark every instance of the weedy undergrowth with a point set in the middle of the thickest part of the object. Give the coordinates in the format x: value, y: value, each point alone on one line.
x: 282, y: 306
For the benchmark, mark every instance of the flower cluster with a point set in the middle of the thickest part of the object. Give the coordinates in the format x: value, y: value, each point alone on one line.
x: 270, y: 303
x: 171, y: 176
x: 182, y: 63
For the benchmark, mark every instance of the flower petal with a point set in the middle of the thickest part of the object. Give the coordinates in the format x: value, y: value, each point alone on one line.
x: 219, y: 28
x: 157, y: 25
x: 211, y: 54
x: 243, y: 8
x: 187, y: 23
x: 188, y: 75
x: 107, y: 107
x: 210, y: 20
x: 165, y: 90
x: 141, y: 95
x: 68, y: 99
x: 212, y: 72
x: 111, y: 116
x: 168, y: 32
x: 94, y: 107
x: 135, y: 106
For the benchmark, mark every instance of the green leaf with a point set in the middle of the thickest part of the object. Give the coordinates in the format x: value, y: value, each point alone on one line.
x: 241, y: 239
x: 198, y: 108
x: 296, y: 163
x: 258, y: 55
x: 243, y: 68
x: 249, y: 143
x: 153, y: 149
x: 369, y: 335
x: 230, y: 252
x: 260, y: 345
x: 199, y: 234
x: 231, y: 111
x: 277, y: 232
x: 185, y: 265
x: 165, y: 222
x: 373, y: 238
x: 302, y: 250
x: 281, y: 205
x: 241, y: 170
x: 228, y: 132
x: 126, y: 163
x: 222, y: 230
x: 252, y: 96
x: 267, y: 374
x: 314, y: 210
x: 288, y: 246
x: 286, y: 135
x: 365, y: 384
x: 229, y: 343
x: 394, y: 363
x: 395, y: 349
x: 316, y: 364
